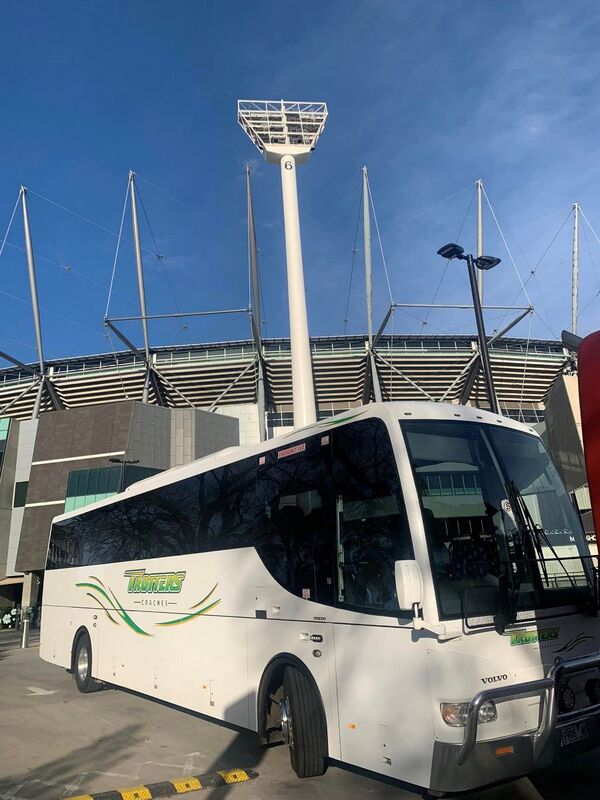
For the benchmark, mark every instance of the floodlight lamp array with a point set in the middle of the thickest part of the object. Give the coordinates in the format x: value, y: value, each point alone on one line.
x: 281, y: 127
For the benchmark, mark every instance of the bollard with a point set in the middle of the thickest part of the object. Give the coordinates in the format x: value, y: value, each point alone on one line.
x: 25, y: 637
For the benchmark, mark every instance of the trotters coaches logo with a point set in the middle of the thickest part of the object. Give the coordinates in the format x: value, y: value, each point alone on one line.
x: 160, y: 582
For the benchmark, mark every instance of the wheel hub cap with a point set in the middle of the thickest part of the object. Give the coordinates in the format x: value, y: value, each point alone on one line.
x: 286, y: 722
x: 82, y: 664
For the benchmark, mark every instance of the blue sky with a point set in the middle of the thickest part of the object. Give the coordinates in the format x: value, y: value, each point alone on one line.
x: 430, y: 95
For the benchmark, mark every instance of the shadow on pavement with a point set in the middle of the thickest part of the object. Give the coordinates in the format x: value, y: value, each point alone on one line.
x: 65, y: 773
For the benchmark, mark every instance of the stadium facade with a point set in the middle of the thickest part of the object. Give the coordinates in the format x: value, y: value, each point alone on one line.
x: 93, y: 435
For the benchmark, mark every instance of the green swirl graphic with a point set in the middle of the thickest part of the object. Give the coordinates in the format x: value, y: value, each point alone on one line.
x: 117, y: 609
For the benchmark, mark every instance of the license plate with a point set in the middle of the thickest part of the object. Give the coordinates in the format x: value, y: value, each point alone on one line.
x: 574, y: 733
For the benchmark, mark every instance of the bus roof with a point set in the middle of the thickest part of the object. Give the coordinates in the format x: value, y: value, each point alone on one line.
x: 418, y: 409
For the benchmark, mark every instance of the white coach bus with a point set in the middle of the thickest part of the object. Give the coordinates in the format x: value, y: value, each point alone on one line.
x: 404, y: 588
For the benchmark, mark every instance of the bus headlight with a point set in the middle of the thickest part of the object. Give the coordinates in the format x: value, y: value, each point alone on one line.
x: 456, y: 714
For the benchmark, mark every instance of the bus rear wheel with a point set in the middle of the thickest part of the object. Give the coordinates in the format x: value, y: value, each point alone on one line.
x: 82, y: 665
x: 303, y: 725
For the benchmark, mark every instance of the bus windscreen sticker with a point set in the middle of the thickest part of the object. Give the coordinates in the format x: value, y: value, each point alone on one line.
x: 291, y: 451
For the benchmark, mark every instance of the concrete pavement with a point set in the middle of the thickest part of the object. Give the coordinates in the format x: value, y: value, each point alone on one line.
x: 55, y: 742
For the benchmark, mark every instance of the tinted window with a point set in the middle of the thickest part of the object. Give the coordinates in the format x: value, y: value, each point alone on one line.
x: 212, y: 511
x: 20, y: 494
x: 326, y: 516
x: 296, y: 536
x: 372, y: 527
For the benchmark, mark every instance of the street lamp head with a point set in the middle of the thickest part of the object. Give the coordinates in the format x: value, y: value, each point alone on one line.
x: 487, y: 262
x: 451, y: 251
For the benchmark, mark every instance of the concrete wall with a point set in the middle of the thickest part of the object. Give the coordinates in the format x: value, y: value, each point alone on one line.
x: 27, y: 432
x: 196, y: 433
x: 81, y: 438
x: 248, y: 421
x: 7, y: 483
x: 150, y: 436
x: 85, y: 438
x: 563, y: 429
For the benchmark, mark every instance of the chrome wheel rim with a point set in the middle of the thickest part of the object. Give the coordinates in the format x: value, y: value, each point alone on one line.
x: 286, y: 722
x: 83, y: 663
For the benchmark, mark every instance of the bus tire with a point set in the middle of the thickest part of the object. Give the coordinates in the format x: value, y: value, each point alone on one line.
x: 82, y: 665
x: 303, y: 725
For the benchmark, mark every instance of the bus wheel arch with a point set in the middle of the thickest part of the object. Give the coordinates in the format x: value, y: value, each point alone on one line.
x: 82, y: 662
x: 288, y: 691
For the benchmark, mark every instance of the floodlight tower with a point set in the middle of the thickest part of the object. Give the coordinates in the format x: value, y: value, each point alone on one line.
x: 286, y: 133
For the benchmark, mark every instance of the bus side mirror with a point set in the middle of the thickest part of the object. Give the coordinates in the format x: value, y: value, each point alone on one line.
x: 409, y: 584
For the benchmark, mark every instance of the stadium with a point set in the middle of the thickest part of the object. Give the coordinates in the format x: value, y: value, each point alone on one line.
x: 80, y: 429
x: 207, y: 397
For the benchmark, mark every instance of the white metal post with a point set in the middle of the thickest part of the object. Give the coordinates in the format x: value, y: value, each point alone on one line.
x: 302, y: 377
x: 286, y: 133
x: 575, y: 270
x: 32, y: 280
x: 368, y: 260
x: 140, y: 279
x: 34, y: 303
x: 480, y: 237
x: 25, y: 634
x: 256, y: 314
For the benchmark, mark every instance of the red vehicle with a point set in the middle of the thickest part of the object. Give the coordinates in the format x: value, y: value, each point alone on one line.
x: 589, y: 399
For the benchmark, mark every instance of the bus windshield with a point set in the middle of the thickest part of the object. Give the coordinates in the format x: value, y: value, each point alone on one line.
x: 495, y: 512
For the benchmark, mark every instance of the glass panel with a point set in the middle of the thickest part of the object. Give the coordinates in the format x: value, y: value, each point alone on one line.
x: 103, y: 480
x: 536, y: 479
x: 20, y: 493
x: 92, y: 481
x: 295, y: 521
x: 373, y: 530
x: 71, y: 484
x: 113, y: 479
x: 474, y: 537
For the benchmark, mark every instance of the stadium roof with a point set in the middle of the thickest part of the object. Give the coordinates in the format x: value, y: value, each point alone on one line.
x: 410, y: 367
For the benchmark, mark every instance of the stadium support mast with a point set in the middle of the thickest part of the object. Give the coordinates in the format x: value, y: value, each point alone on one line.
x: 32, y: 280
x: 44, y: 381
x: 140, y: 280
x: 372, y: 377
x: 286, y: 133
x: 368, y: 261
x: 255, y: 313
x: 479, y: 251
x: 575, y: 270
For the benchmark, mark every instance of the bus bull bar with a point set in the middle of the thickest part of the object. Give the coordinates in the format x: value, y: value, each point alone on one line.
x: 546, y: 687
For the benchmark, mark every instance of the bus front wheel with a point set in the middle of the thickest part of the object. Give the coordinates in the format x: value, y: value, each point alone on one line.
x: 82, y: 665
x: 303, y: 725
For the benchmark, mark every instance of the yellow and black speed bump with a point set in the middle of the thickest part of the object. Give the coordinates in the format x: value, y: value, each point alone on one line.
x: 194, y: 783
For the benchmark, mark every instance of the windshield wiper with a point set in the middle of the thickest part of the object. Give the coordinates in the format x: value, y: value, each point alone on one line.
x: 508, y: 591
x: 535, y: 533
x: 509, y: 581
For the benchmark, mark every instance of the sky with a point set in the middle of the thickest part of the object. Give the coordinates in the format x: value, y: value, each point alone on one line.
x: 430, y: 95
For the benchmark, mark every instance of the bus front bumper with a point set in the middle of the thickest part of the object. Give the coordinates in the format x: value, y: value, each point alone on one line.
x: 459, y: 767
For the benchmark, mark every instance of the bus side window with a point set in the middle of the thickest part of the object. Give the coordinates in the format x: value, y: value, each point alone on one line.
x: 372, y: 527
x: 295, y: 531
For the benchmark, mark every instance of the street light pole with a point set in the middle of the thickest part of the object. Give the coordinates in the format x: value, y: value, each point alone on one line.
x: 483, y: 345
x: 482, y: 262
